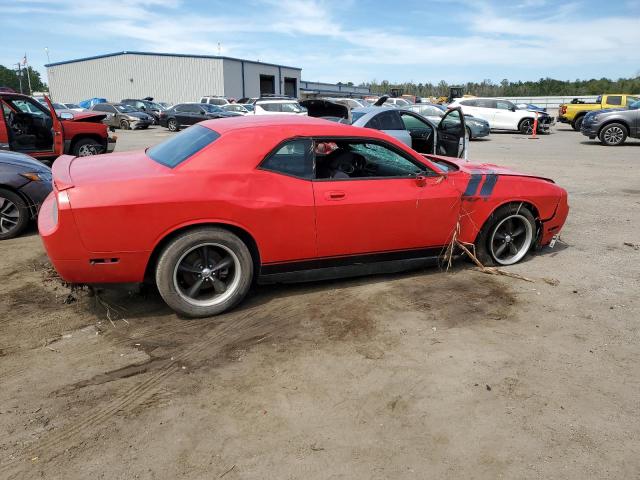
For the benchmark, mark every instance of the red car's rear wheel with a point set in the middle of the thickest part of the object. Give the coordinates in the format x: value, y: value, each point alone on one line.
x: 204, y: 272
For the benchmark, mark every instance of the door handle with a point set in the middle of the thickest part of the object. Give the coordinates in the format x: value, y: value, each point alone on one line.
x: 334, y: 195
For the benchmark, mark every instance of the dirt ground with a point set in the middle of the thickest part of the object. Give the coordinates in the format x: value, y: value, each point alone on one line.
x: 423, y: 375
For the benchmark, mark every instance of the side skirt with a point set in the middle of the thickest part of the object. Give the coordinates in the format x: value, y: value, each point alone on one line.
x: 318, y: 273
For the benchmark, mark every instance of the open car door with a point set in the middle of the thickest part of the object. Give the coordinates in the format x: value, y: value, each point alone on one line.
x: 326, y: 109
x: 56, y: 129
x: 451, y: 134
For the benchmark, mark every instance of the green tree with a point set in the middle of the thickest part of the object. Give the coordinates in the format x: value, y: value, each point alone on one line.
x: 9, y: 78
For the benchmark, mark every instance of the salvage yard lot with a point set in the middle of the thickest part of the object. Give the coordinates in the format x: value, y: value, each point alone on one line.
x: 422, y: 375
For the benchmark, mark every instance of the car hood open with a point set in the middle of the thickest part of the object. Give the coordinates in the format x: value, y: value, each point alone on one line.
x: 95, y: 117
x: 324, y: 108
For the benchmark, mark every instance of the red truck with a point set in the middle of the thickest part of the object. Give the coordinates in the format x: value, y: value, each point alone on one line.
x: 27, y: 126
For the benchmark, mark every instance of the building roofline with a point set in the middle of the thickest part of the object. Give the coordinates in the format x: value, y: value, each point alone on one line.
x: 127, y: 52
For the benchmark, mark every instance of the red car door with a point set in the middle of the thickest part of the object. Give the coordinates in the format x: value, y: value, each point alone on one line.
x: 372, y: 198
x: 56, y: 127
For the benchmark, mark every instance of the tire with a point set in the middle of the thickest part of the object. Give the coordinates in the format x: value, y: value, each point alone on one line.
x: 172, y: 125
x: 577, y: 123
x: 86, y: 147
x: 14, y: 214
x: 469, y: 135
x: 526, y: 126
x: 613, y: 134
x: 124, y: 125
x: 187, y: 276
x: 506, y: 222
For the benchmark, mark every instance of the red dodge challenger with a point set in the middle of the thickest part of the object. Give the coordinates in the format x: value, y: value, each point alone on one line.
x: 278, y: 199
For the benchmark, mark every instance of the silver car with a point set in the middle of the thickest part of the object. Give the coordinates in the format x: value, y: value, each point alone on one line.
x: 445, y: 137
x: 612, y: 126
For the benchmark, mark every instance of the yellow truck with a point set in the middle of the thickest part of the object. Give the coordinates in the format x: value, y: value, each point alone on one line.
x: 573, y: 113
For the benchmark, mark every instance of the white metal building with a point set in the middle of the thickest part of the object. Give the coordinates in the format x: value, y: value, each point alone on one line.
x: 167, y: 77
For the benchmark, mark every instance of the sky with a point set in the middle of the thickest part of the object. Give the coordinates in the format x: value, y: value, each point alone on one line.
x: 344, y: 40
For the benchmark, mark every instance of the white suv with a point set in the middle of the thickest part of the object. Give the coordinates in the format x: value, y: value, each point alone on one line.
x: 213, y: 100
x: 502, y: 114
x: 277, y: 106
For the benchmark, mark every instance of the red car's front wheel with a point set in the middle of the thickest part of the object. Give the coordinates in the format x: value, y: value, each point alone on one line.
x: 204, y: 272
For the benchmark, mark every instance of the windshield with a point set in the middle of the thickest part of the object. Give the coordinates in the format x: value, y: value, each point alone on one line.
x: 125, y: 108
x: 635, y: 105
x: 211, y: 108
x: 58, y: 106
x: 72, y: 105
x: 631, y: 100
x: 428, y: 110
x: 356, y: 115
x: 177, y: 149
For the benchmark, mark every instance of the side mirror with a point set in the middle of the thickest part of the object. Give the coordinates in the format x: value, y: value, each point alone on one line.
x: 513, y: 109
x: 421, y: 180
x: 143, y: 108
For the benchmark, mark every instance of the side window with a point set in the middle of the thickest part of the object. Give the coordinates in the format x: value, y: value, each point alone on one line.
x: 502, y: 105
x: 469, y: 103
x: 487, y: 103
x: 343, y: 160
x: 414, y: 123
x: 98, y: 108
x: 451, y: 123
x: 110, y: 109
x: 388, y: 120
x: 203, y: 100
x: 294, y: 158
x: 614, y: 100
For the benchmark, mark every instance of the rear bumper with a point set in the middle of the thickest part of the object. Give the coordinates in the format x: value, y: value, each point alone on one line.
x: 73, y: 262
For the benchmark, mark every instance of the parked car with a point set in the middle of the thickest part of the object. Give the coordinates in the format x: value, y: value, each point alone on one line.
x: 24, y: 184
x: 235, y: 107
x: 147, y: 106
x: 74, y: 107
x: 328, y: 109
x: 613, y: 126
x: 503, y: 114
x: 444, y: 137
x: 165, y: 105
x: 29, y: 127
x: 476, y: 127
x: 349, y: 102
x: 273, y: 105
x: 574, y: 113
x: 278, y: 199
x: 186, y: 114
x: 397, y: 102
x: 214, y: 100
x: 123, y: 116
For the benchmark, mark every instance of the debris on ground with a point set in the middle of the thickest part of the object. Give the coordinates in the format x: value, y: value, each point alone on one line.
x: 554, y: 282
x: 635, y: 246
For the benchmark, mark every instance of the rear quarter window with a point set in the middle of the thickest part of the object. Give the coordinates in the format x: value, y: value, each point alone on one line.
x: 185, y: 144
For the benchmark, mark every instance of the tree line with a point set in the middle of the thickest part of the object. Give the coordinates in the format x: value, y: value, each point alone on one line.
x: 10, y: 77
x: 506, y: 88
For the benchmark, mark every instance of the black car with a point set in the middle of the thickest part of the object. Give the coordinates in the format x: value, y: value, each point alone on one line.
x: 185, y: 114
x: 24, y: 184
x: 152, y: 108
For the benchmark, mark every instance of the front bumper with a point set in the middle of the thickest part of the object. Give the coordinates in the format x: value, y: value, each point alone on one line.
x: 140, y: 124
x: 111, y: 143
x: 589, y: 128
x: 36, y: 192
x: 552, y: 226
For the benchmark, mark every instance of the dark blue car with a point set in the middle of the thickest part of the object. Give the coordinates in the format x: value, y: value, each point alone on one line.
x: 24, y: 184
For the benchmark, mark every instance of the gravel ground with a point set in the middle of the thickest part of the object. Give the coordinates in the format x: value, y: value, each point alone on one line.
x: 430, y: 374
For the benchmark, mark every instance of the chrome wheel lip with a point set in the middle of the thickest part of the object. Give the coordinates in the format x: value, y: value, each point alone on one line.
x: 522, y: 250
x: 613, y: 135
x: 7, y: 207
x: 218, y: 298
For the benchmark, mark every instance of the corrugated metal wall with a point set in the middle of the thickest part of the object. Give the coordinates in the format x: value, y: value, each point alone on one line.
x: 165, y: 78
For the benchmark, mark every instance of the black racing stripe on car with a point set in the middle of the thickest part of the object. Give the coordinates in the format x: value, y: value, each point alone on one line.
x: 472, y: 186
x: 489, y: 182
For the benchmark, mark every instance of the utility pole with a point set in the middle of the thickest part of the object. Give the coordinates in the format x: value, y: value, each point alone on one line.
x: 20, y: 76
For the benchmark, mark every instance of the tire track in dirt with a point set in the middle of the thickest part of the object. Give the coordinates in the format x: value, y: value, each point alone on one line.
x: 70, y: 434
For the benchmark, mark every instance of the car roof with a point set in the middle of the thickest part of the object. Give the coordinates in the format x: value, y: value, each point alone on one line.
x: 290, y: 126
